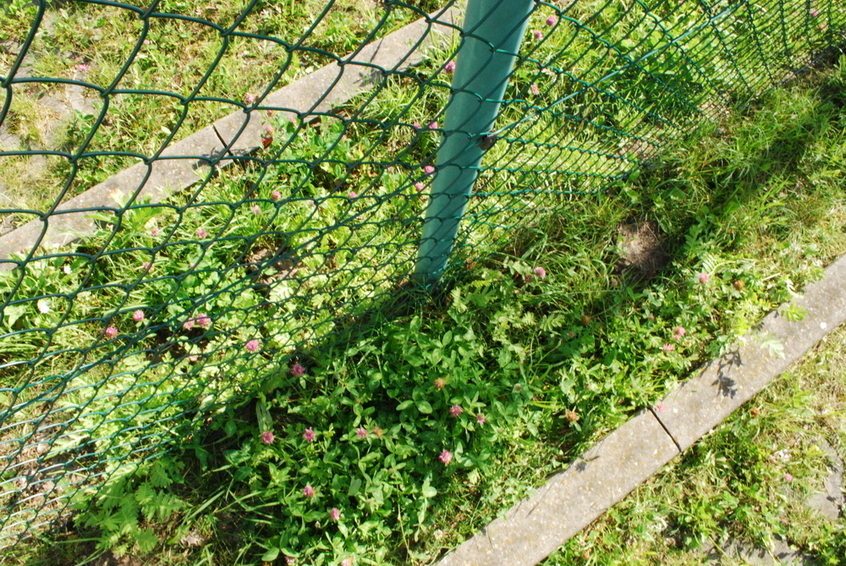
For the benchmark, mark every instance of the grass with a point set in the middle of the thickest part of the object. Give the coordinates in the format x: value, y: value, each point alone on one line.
x: 108, y: 53
x: 208, y: 319
x: 747, y: 481
x: 157, y: 98
x: 551, y: 364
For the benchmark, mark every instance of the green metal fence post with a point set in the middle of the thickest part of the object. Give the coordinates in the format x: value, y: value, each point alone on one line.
x: 492, y: 32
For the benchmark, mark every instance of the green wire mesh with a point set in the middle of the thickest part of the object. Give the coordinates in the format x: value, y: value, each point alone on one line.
x: 147, y: 282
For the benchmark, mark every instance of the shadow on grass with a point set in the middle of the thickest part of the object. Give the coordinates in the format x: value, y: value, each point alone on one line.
x: 725, y: 185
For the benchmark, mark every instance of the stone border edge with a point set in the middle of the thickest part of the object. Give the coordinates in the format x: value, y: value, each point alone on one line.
x: 537, y: 526
x: 187, y: 162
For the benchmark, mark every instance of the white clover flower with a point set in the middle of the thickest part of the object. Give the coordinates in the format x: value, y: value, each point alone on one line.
x: 43, y: 306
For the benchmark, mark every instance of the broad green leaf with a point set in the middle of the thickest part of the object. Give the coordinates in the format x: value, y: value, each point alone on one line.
x: 146, y: 540
x: 427, y: 490
x: 271, y: 555
x: 265, y: 422
x: 11, y: 313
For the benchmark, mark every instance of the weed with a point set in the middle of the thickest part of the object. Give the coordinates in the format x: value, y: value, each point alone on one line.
x: 209, y: 322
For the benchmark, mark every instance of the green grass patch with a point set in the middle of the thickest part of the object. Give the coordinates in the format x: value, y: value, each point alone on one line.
x: 421, y: 431
x: 747, y: 481
x: 206, y: 320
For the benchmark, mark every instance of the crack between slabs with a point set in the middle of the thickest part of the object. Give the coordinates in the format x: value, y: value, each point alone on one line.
x: 226, y: 147
x: 657, y: 418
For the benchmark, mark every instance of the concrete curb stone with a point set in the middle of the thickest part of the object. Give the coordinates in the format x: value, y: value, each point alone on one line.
x: 735, y: 552
x: 572, y: 499
x: 238, y: 134
x: 71, y: 220
x: 605, y: 474
x: 726, y: 383
x: 333, y: 84
x: 829, y: 500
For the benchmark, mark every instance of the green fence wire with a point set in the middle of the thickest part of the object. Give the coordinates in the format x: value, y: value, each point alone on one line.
x: 196, y: 195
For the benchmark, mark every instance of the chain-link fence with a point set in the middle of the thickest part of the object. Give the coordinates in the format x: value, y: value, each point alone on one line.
x: 196, y: 195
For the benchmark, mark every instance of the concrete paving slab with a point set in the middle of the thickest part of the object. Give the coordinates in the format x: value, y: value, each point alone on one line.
x: 76, y: 99
x: 829, y: 500
x: 570, y: 500
x: 9, y: 141
x: 736, y: 552
x: 728, y: 382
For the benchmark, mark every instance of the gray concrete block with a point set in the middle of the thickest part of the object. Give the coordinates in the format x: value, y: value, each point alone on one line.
x: 76, y: 99
x: 570, y: 500
x: 340, y: 81
x: 242, y: 132
x: 736, y: 552
x: 729, y: 381
x: 829, y: 500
